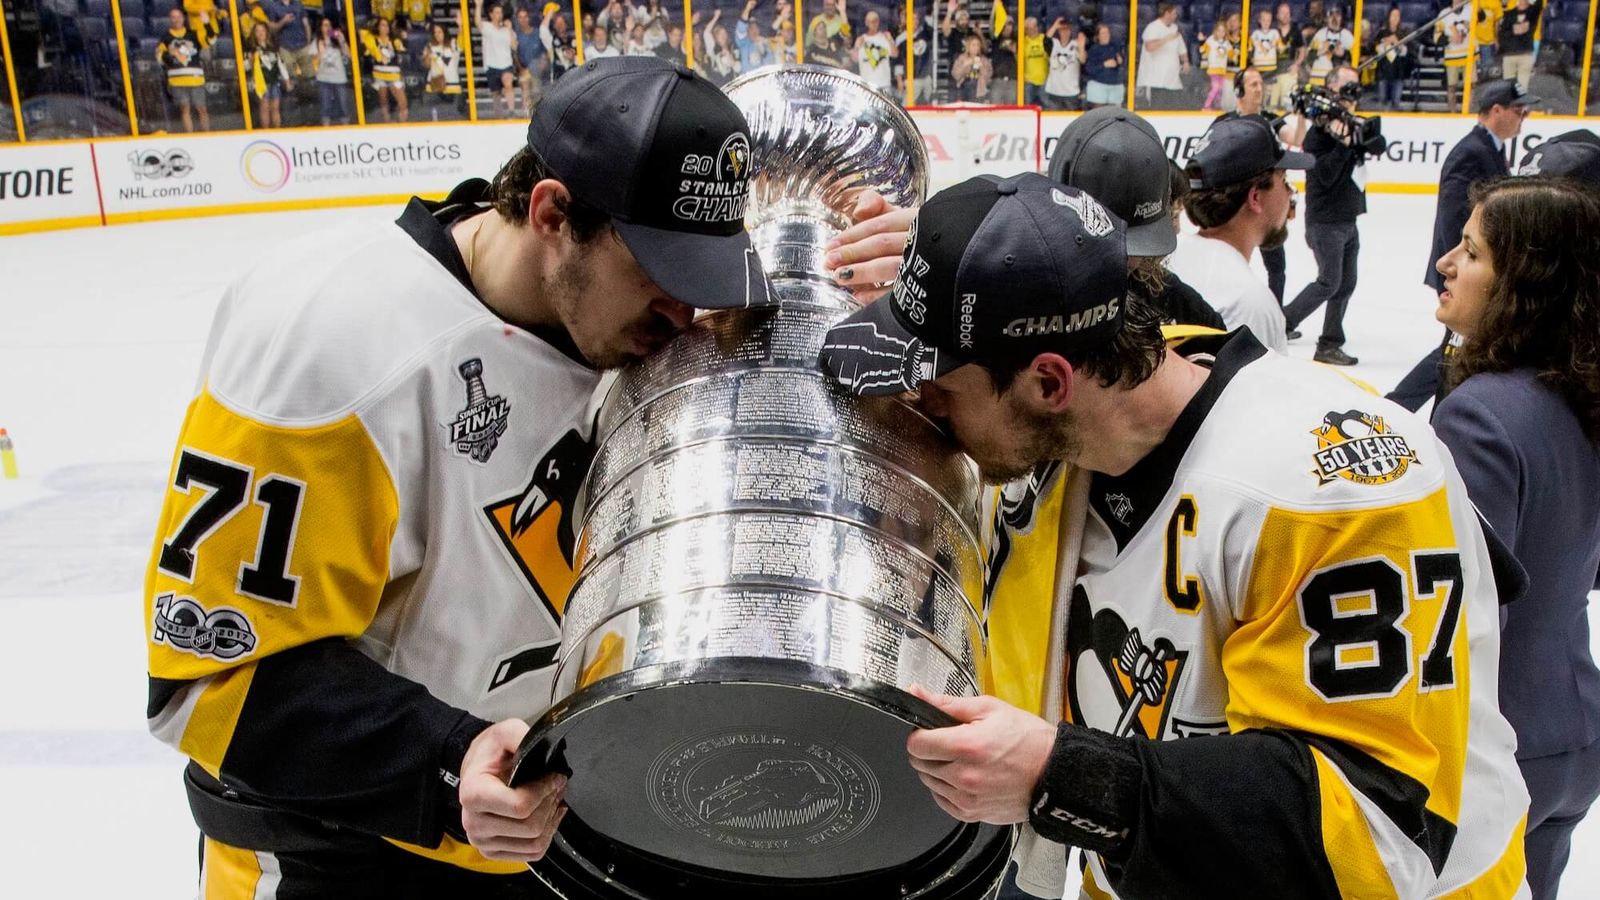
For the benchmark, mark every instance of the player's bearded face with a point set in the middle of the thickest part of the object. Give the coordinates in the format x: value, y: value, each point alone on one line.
x: 1002, y: 435
x: 613, y: 311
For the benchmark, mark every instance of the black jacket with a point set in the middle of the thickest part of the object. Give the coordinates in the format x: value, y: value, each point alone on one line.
x: 1332, y: 195
x: 1474, y: 159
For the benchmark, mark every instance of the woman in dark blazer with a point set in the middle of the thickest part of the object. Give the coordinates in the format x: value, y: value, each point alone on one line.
x: 1523, y: 420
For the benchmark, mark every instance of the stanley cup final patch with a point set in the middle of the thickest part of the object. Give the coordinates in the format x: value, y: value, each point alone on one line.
x: 477, y: 429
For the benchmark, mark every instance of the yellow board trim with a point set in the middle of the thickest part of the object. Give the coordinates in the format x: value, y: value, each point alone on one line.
x: 229, y: 209
x: 36, y: 225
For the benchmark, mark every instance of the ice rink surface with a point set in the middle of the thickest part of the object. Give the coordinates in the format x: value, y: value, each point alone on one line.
x: 101, y: 332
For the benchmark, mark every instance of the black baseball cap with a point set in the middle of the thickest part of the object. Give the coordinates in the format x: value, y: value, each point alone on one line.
x: 994, y: 270
x: 1117, y: 157
x: 1575, y: 154
x: 1506, y: 92
x: 666, y: 155
x: 1239, y: 149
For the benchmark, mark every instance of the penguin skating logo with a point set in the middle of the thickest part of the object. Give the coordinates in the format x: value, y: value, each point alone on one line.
x: 1359, y: 448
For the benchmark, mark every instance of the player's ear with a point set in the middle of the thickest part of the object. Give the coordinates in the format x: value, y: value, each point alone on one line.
x: 1049, y: 383
x: 547, y: 206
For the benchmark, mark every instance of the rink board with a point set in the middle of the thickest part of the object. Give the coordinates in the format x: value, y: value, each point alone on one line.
x: 70, y: 184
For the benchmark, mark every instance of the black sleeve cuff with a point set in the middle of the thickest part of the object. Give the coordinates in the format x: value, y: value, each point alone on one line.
x: 449, y: 781
x: 1089, y: 795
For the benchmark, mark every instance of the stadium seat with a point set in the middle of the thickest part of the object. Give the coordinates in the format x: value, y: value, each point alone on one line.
x: 158, y: 9
x: 133, y: 29
x: 94, y: 30
x: 1573, y: 12
x: 132, y: 9
x: 1204, y: 15
x: 97, y: 9
x: 222, y: 48
x: 1563, y: 32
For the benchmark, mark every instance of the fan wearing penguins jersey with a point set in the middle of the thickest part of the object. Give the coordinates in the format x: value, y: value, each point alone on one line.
x: 1270, y: 631
x: 354, y: 602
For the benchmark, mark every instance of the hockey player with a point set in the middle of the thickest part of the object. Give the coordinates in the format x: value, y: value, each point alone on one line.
x: 366, y: 545
x: 1270, y: 610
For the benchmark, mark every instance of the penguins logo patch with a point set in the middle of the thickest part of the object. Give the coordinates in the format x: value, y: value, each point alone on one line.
x: 1360, y: 448
x: 1122, y: 681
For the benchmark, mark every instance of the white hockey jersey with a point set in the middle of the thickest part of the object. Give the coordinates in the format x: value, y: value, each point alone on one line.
x: 373, y: 462
x: 1290, y: 607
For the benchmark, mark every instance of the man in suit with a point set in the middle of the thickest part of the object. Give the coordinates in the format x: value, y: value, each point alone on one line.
x: 1502, y: 105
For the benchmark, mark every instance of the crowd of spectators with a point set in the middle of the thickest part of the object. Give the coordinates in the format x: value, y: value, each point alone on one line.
x: 413, y: 59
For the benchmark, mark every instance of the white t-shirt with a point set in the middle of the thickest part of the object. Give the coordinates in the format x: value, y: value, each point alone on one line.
x: 497, y: 44
x: 1064, y: 69
x: 1224, y: 279
x: 1159, y: 68
x: 1327, y: 43
x: 874, y: 64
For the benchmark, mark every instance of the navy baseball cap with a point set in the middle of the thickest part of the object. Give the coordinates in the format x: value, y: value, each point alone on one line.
x: 994, y: 270
x: 1575, y: 154
x: 1115, y: 155
x: 1505, y: 92
x: 666, y: 155
x: 1238, y: 149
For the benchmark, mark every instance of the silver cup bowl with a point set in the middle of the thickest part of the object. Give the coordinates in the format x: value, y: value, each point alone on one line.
x: 767, y: 565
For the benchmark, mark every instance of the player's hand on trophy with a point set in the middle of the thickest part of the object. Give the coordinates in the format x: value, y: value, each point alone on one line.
x: 984, y: 769
x: 501, y: 821
x: 867, y: 254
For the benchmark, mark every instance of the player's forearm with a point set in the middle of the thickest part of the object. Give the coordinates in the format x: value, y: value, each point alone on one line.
x: 1233, y: 812
x: 323, y: 730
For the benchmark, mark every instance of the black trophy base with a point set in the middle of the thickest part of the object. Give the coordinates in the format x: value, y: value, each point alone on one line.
x: 730, y: 777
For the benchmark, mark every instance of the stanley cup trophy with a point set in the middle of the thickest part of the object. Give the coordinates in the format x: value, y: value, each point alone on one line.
x: 767, y: 564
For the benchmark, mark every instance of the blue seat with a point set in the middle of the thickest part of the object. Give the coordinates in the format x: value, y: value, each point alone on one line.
x: 133, y: 29
x: 1204, y: 15
x: 1564, y: 32
x: 97, y: 9
x: 158, y: 9
x: 222, y: 48
x: 94, y: 30
x: 132, y: 9
x: 1573, y: 12
x: 1116, y: 15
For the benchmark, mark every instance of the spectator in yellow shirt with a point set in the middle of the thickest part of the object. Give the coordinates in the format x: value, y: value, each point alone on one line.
x: 1035, y: 63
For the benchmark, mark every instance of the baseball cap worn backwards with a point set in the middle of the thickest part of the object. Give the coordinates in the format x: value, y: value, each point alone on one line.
x: 995, y: 270
x: 667, y: 156
x: 1115, y: 155
x: 1238, y: 149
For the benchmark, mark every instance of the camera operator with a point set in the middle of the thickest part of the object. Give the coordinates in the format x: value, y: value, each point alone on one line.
x: 1336, y: 194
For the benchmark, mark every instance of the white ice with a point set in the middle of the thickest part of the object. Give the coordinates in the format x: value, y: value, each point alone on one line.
x: 100, y: 338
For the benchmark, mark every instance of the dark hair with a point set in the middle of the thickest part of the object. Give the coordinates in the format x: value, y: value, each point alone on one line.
x: 1213, y: 207
x: 1128, y: 360
x: 512, y: 191
x: 1178, y: 182
x: 1543, y: 310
